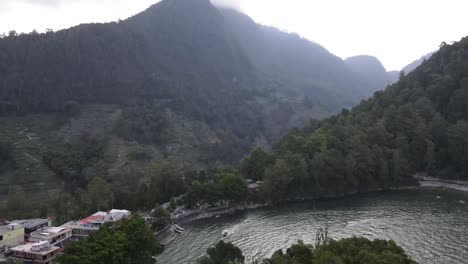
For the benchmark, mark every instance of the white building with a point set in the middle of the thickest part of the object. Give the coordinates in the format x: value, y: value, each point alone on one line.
x: 38, y: 252
x: 56, y: 236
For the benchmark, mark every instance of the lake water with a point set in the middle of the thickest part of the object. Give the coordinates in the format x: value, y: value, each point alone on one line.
x: 431, y: 229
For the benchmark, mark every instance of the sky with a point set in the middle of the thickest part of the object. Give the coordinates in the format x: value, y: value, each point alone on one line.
x: 395, y: 31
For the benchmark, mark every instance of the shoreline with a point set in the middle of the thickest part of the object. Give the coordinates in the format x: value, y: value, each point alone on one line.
x: 167, y: 235
x: 432, y: 182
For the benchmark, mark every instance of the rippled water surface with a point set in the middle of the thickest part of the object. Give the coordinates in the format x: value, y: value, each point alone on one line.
x: 431, y: 229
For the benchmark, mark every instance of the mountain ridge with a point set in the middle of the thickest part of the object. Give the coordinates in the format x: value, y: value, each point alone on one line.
x: 181, y: 81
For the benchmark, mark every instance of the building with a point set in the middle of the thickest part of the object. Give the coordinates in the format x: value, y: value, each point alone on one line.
x: 100, y: 218
x: 31, y: 225
x: 92, y: 223
x: 79, y: 230
x: 254, y: 186
x: 56, y: 236
x: 11, y: 235
x: 38, y: 252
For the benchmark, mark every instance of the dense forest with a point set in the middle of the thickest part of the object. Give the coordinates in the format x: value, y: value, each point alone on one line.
x: 419, y: 124
x: 116, y: 101
x: 210, y: 65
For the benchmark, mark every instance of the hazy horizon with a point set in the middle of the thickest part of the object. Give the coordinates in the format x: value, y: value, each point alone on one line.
x: 396, y: 32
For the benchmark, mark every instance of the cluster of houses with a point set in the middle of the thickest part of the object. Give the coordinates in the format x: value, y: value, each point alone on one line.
x: 37, y: 241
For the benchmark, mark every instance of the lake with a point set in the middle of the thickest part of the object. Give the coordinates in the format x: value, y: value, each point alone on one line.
x: 431, y: 225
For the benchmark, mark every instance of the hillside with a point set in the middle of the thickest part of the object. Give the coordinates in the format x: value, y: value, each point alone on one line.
x: 419, y: 124
x: 413, y: 65
x: 182, y: 81
x: 372, y: 73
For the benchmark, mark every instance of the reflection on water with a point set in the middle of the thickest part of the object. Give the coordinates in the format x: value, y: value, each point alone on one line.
x: 431, y: 230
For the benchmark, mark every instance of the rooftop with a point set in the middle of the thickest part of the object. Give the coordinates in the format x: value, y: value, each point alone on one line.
x: 9, y: 227
x: 103, y: 217
x: 78, y: 225
x: 48, y: 232
x: 30, y: 223
x: 41, y: 247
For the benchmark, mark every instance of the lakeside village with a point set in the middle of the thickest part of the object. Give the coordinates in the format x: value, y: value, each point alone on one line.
x: 37, y: 241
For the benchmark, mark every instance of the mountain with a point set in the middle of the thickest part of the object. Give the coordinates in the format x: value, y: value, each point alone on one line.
x: 372, y: 73
x: 418, y: 124
x: 296, y: 63
x: 182, y: 81
x: 413, y: 65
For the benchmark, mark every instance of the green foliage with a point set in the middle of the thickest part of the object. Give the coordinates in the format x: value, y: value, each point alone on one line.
x: 161, y: 218
x: 458, y: 146
x: 246, y: 83
x: 77, y: 164
x: 99, y: 194
x: 419, y: 124
x: 223, y: 253
x: 360, y: 250
x: 225, y: 186
x: 253, y: 166
x: 131, y: 241
x: 345, y: 251
x: 145, y: 124
x: 159, y: 182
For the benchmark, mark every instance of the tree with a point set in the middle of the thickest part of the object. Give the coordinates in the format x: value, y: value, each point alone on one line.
x: 166, y: 182
x: 12, y: 33
x: 130, y: 242
x: 223, y: 253
x: 429, y: 157
x: 277, y: 179
x: 458, y: 145
x: 360, y: 251
x: 345, y: 251
x: 161, y: 218
x: 99, y: 193
x: 234, y: 187
x: 253, y: 166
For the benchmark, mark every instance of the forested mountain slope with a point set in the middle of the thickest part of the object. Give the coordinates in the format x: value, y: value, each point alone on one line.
x: 215, y: 67
x: 419, y: 124
x: 413, y: 65
x: 181, y: 81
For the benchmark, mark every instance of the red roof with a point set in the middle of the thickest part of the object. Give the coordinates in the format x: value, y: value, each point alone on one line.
x: 91, y: 218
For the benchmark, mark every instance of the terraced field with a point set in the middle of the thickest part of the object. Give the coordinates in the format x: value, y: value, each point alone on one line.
x: 32, y: 185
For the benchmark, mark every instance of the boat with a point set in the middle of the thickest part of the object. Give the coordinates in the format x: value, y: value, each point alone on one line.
x: 177, y: 228
x: 225, y: 232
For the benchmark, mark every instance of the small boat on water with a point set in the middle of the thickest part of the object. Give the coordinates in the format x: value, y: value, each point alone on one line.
x: 225, y: 232
x: 177, y: 228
